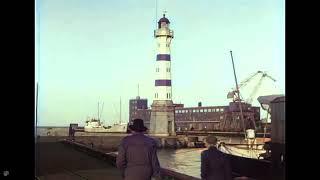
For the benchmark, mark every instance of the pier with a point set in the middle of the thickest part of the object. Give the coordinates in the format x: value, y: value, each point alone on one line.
x: 59, y: 158
x: 55, y: 160
x: 66, y: 159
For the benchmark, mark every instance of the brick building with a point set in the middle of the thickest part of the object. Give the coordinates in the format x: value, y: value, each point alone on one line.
x: 202, y: 118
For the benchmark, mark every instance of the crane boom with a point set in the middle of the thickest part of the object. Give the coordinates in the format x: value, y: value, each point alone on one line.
x: 270, y: 77
x: 238, y: 93
x: 244, y: 82
x: 256, y: 88
x: 233, y: 93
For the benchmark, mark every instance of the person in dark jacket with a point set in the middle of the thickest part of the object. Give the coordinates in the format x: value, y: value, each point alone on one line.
x: 137, y: 154
x: 214, y: 164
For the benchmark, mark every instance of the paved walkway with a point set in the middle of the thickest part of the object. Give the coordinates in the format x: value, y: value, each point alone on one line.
x: 58, y: 161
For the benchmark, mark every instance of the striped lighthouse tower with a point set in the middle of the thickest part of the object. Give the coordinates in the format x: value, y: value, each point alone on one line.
x: 162, y: 113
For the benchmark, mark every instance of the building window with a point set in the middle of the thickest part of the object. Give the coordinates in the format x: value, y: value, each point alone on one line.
x: 194, y: 110
x: 221, y: 110
x: 209, y: 110
x: 197, y: 110
x: 217, y: 110
x: 176, y: 111
x: 201, y: 110
x: 221, y: 117
x: 205, y: 110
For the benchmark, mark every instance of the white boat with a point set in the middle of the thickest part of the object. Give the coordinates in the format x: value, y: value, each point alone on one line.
x: 243, y: 150
x: 95, y: 126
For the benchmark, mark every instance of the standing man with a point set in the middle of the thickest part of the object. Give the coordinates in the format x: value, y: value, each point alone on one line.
x: 137, y: 154
x: 214, y: 164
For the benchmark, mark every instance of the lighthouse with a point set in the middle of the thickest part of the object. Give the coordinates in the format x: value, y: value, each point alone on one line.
x: 162, y: 108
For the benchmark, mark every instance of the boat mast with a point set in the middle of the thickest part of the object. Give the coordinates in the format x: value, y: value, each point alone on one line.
x: 120, y: 110
x: 101, y: 110
x: 238, y: 94
x: 98, y: 111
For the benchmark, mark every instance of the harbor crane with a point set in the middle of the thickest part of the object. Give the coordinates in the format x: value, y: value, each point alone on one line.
x: 235, y: 94
x: 249, y: 100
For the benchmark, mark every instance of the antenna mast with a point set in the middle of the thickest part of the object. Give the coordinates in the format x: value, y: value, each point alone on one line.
x: 164, y: 12
x: 156, y: 13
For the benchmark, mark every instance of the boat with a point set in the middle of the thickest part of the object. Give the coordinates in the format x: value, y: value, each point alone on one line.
x: 265, y: 160
x: 94, y: 125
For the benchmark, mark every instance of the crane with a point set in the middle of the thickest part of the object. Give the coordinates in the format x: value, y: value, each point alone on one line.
x: 256, y: 88
x: 233, y: 93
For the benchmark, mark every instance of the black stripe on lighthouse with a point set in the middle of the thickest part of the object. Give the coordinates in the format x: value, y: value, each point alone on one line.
x: 163, y: 57
x: 163, y: 82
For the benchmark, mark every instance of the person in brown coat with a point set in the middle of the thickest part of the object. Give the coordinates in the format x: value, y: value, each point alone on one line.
x: 214, y: 164
x: 137, y: 154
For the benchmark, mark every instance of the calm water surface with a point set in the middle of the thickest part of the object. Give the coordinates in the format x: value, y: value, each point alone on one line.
x: 187, y: 161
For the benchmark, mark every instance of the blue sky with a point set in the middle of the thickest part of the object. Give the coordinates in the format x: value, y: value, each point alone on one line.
x: 91, y: 51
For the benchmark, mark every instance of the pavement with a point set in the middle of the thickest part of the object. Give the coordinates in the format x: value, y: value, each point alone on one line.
x: 55, y: 160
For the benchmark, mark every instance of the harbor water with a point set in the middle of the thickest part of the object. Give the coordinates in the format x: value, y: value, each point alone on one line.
x: 187, y: 161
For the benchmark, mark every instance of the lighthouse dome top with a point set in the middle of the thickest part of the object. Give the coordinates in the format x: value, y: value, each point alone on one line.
x: 164, y: 19
x: 163, y: 22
